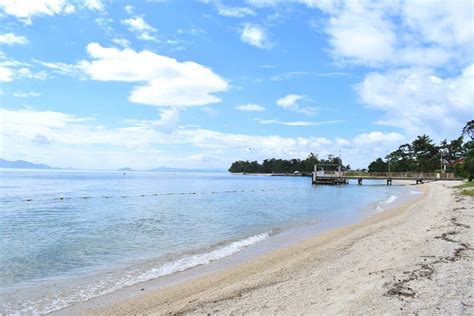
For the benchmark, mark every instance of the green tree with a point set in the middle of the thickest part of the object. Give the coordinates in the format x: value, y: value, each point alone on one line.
x: 378, y: 166
x: 422, y: 155
x: 402, y: 159
x: 468, y: 165
x: 273, y: 165
x: 309, y: 162
x: 426, y: 154
x: 469, y: 129
x: 452, y: 151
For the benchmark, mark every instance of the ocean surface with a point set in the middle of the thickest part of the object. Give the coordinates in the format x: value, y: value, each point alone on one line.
x: 69, y: 236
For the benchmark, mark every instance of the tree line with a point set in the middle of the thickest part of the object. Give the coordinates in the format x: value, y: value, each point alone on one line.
x: 423, y: 155
x: 284, y: 165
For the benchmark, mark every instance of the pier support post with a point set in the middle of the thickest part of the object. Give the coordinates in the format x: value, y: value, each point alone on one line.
x: 389, y: 181
x: 359, y: 181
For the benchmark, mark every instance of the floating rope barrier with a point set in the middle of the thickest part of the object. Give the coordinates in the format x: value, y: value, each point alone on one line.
x: 62, y: 198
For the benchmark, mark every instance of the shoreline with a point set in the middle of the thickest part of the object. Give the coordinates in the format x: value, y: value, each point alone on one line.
x: 113, y: 283
x: 258, y: 272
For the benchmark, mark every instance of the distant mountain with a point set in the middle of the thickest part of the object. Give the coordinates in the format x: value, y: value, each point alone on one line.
x: 125, y: 169
x: 21, y: 164
x: 167, y: 169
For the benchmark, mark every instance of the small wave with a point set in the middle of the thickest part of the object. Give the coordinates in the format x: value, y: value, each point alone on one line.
x: 201, y: 259
x: 389, y: 200
x: 315, y: 221
x: 60, y: 300
x: 414, y: 192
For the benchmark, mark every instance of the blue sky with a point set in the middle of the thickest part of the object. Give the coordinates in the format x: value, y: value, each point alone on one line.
x: 106, y: 84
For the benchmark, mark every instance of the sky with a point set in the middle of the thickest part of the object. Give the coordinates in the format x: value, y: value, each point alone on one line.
x: 102, y: 84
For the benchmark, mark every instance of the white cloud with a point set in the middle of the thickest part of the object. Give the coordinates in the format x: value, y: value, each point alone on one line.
x: 361, y: 33
x: 255, y: 35
x: 164, y: 81
x: 291, y: 102
x: 193, y: 31
x: 25, y: 72
x: 418, y: 37
x: 342, y: 142
x: 22, y: 94
x: 25, y: 10
x: 11, y: 69
x: 419, y: 101
x: 297, y: 123
x: 6, y: 74
x: 12, y: 39
x: 138, y: 24
x: 69, y: 9
x: 144, y: 30
x: 366, y: 147
x: 79, y: 141
x: 146, y: 36
x: 377, y: 138
x: 250, y: 107
x: 401, y: 33
x: 447, y: 23
x: 121, y: 42
x: 129, y: 9
x: 62, y: 68
x: 95, y: 5
x: 168, y: 121
x: 295, y: 74
x: 235, y: 12
x: 289, y: 75
x: 264, y: 3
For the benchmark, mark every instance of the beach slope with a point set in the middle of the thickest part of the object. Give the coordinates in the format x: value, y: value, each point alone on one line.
x: 416, y: 258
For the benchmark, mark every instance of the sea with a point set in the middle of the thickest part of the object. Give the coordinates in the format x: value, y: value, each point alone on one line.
x: 71, y: 236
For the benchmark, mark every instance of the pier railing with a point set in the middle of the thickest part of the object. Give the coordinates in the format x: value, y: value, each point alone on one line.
x: 404, y: 175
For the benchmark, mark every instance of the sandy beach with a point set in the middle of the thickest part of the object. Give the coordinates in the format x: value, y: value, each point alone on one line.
x: 416, y: 258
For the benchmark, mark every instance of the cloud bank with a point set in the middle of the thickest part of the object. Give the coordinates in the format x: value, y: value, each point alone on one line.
x: 162, y: 81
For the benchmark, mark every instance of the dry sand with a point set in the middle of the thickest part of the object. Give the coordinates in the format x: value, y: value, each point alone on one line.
x: 417, y: 258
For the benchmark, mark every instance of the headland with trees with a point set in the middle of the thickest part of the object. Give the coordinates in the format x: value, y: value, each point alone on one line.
x: 421, y: 155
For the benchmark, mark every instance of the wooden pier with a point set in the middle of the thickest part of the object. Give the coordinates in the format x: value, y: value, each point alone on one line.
x: 324, y: 175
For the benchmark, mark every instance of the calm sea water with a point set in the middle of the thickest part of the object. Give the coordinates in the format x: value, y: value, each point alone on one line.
x: 58, y: 228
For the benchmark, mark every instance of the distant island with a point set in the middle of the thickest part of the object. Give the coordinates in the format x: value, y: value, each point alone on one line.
x: 21, y: 164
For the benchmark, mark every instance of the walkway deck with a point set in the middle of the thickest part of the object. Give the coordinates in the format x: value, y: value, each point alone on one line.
x: 343, y: 177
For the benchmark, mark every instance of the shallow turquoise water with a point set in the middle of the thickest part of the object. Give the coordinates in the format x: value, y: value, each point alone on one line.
x: 59, y: 226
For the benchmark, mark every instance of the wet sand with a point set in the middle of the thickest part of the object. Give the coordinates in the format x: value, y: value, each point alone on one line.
x: 416, y: 258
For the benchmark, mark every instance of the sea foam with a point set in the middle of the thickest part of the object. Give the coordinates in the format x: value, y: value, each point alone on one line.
x: 382, y: 204
x: 201, y: 259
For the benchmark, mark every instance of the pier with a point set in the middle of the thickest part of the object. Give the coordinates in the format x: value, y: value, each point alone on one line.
x: 328, y: 174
